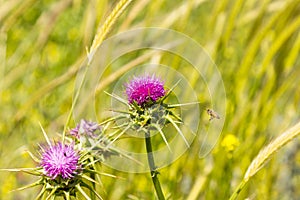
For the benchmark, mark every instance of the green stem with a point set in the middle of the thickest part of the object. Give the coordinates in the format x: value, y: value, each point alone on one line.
x: 238, y: 190
x: 152, y: 167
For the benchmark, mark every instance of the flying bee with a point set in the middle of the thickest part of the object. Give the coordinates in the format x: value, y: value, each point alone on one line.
x: 212, y: 114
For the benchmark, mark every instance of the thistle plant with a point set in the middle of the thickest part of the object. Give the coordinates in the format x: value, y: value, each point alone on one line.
x: 64, y: 169
x: 147, y: 109
x: 147, y: 112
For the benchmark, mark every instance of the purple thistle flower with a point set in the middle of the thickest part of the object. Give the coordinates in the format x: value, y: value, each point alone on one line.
x: 60, y: 160
x: 145, y: 89
x: 85, y: 128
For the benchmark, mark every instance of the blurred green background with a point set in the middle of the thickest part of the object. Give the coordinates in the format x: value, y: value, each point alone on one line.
x: 255, y: 45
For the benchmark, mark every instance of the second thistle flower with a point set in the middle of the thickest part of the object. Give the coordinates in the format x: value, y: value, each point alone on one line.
x: 146, y: 95
x: 144, y: 90
x: 86, y: 128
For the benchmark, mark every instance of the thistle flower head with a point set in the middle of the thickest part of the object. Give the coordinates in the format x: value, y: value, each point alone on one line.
x: 60, y: 160
x: 85, y: 127
x: 144, y: 89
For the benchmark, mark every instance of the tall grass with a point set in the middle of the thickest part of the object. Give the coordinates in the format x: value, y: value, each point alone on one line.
x: 265, y: 154
x: 255, y: 45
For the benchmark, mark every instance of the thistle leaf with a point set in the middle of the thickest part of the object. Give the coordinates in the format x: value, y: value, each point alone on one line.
x: 91, y: 189
x: 51, y: 195
x: 182, y: 104
x: 118, y: 98
x: 163, y: 136
x: 79, y: 188
x: 45, y: 135
x: 123, y: 131
x: 90, y: 179
x: 171, y: 90
x: 29, y: 186
x: 43, y: 190
x: 178, y: 129
x: 34, y: 158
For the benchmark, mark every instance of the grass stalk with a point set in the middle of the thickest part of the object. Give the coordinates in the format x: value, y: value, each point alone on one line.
x: 98, y: 39
x: 238, y: 190
x: 265, y: 154
x: 106, y: 27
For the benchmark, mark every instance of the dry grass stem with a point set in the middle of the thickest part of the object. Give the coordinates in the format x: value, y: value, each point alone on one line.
x: 269, y: 150
x: 105, y: 28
